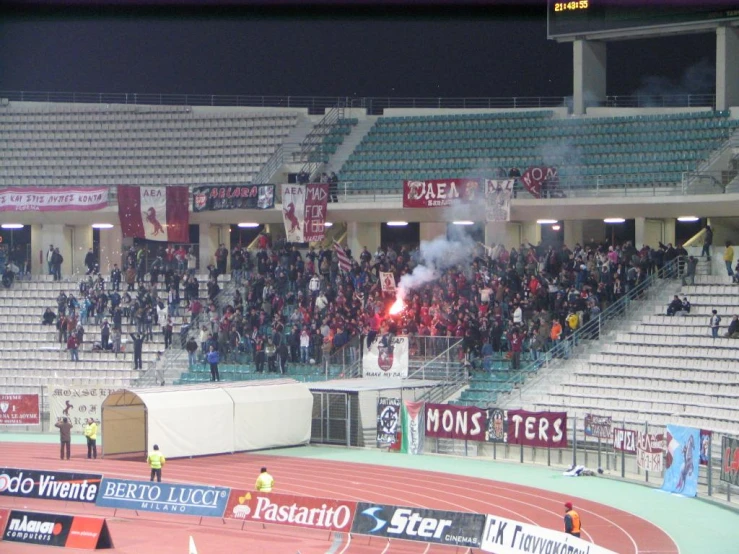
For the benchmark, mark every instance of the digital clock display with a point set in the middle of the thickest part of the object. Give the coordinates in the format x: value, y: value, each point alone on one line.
x: 571, y: 6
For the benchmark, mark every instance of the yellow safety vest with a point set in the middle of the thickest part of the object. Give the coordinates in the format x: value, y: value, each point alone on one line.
x: 265, y: 482
x: 91, y: 431
x: 156, y: 460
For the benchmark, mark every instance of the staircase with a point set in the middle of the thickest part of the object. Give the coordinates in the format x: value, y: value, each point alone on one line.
x: 350, y: 143
x: 274, y: 167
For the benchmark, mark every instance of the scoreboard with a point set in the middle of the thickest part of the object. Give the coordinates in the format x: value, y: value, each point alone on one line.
x: 586, y: 17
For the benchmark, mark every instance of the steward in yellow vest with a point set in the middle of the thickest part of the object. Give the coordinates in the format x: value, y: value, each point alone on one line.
x: 156, y: 461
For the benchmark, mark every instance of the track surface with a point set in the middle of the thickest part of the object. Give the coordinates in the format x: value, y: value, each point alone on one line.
x: 614, y: 529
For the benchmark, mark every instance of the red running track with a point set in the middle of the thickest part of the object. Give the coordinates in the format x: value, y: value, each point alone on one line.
x: 614, y: 529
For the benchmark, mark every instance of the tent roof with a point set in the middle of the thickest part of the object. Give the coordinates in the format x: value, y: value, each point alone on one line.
x: 371, y: 383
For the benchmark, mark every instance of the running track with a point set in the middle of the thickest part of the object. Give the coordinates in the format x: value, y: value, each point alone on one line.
x: 615, y: 529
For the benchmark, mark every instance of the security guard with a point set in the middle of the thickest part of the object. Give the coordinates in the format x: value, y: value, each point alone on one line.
x: 156, y: 461
x: 572, y: 521
x: 265, y: 482
x: 91, y: 433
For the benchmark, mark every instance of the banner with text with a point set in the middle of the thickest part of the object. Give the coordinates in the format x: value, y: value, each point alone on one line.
x: 542, y: 429
x: 506, y: 536
x: 155, y: 213
x: 77, y: 404
x: 683, y: 460
x: 649, y: 451
x: 730, y: 460
x: 19, y: 409
x: 387, y: 281
x: 246, y: 197
x: 147, y: 496
x: 412, y: 422
x: 388, y: 417
x: 447, y: 421
x: 542, y: 182
x: 295, y: 511
x: 419, y: 524
x: 304, y: 211
x: 439, y: 193
x: 49, y: 485
x: 598, y: 426
x: 496, y: 425
x: 498, y: 199
x: 624, y: 440
x: 385, y: 356
x: 53, y: 199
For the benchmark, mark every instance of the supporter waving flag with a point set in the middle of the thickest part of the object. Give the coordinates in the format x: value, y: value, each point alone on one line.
x: 345, y: 262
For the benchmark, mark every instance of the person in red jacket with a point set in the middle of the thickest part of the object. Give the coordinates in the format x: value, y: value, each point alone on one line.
x: 73, y: 347
x: 515, y: 341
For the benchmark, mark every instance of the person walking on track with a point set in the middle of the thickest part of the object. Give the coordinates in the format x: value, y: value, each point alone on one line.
x: 156, y: 461
x: 65, y: 436
x: 265, y: 482
x: 91, y: 433
x: 572, y: 521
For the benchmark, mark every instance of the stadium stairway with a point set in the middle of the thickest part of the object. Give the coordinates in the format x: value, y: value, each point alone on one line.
x: 657, y: 369
x: 357, y: 134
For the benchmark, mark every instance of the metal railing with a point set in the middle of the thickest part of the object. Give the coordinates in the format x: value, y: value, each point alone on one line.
x: 282, y: 155
x: 373, y: 105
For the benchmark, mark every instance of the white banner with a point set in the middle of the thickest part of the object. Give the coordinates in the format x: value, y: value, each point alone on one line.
x: 293, y: 212
x: 649, y: 451
x: 387, y: 279
x: 77, y: 404
x: 506, y: 536
x: 56, y: 199
x: 498, y: 199
x: 387, y: 356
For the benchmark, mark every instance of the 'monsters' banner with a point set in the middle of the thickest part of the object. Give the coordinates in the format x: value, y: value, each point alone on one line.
x: 649, y: 450
x: 247, y: 197
x: 294, y: 511
x: 77, y: 404
x: 387, y: 280
x: 412, y: 417
x: 447, y: 421
x: 53, y: 199
x: 683, y: 460
x: 438, y: 193
x: 388, y: 417
x: 498, y: 199
x: 385, y: 356
x: 541, y: 181
x: 496, y: 427
x: 304, y: 211
x: 547, y: 429
x: 19, y: 409
x: 154, y: 213
x: 598, y: 426
x: 730, y: 460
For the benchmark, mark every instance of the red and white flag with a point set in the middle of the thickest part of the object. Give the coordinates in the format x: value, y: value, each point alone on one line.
x: 345, y: 262
x: 304, y: 211
x: 154, y: 213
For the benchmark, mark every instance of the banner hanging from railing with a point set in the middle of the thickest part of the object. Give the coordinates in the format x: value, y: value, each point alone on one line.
x: 385, y: 356
x: 448, y: 421
x: 412, y: 420
x: 649, y: 451
x: 730, y: 460
x: 388, y: 418
x: 683, y: 460
x: 498, y: 199
x: 541, y: 429
x: 705, y: 446
x: 598, y: 426
x: 624, y: 440
x: 53, y: 199
x: 304, y: 211
x: 246, y: 197
x: 496, y: 426
x: 77, y: 404
x: 154, y: 213
x: 19, y: 409
x: 440, y: 193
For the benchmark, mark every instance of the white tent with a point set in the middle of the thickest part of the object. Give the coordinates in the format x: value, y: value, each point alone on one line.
x: 203, y: 419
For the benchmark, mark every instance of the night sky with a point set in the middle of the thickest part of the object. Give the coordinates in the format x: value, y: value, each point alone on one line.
x: 329, y: 51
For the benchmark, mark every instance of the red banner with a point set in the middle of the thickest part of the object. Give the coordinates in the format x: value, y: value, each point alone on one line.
x: 624, y: 440
x: 19, y: 409
x: 155, y: 213
x: 446, y: 421
x: 437, y: 193
x: 53, y: 199
x: 296, y: 511
x: 547, y: 429
x: 541, y: 181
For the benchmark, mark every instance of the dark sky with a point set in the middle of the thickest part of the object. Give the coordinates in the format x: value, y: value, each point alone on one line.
x: 490, y: 51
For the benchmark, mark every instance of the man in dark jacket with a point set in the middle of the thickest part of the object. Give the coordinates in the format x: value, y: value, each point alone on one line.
x: 65, y: 436
x: 138, y: 346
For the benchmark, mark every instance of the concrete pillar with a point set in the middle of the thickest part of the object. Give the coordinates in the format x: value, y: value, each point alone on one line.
x: 430, y: 231
x: 573, y: 233
x: 42, y: 235
x: 209, y: 237
x: 727, y: 67
x: 359, y: 235
x: 589, y: 64
x: 530, y: 233
x: 502, y: 232
x: 81, y: 243
x: 111, y: 249
x: 668, y: 231
x: 640, y: 224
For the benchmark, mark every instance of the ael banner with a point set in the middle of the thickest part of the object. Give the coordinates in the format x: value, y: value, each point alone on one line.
x: 649, y: 449
x: 446, y: 421
x: 598, y: 426
x: 730, y: 460
x: 52, y: 199
x: 49, y: 485
x: 247, y: 197
x: 388, y: 417
x: 498, y: 199
x: 295, y: 511
x: 19, y: 409
x: 541, y: 181
x: 624, y: 440
x: 547, y: 429
x: 154, y: 213
x: 496, y: 427
x: 683, y: 460
x: 387, y: 280
x: 304, y: 211
x: 385, y: 356
x: 438, y: 193
x: 77, y: 404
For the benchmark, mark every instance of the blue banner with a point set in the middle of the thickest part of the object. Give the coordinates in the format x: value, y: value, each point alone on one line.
x: 683, y: 460
x: 196, y: 500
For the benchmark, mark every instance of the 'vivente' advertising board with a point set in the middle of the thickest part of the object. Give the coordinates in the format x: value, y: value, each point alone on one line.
x: 49, y: 485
